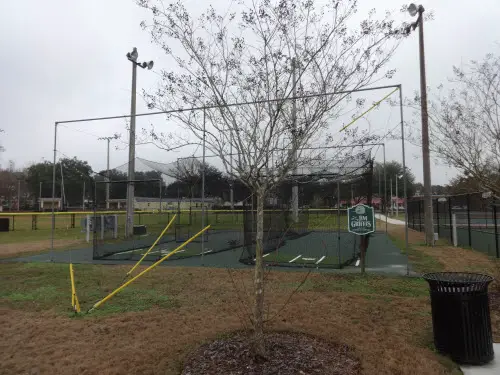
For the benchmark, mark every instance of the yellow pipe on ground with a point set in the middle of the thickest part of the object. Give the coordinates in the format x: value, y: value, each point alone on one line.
x: 152, y: 246
x: 147, y: 269
x: 74, y: 299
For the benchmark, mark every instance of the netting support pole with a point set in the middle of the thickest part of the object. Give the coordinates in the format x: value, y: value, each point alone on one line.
x: 53, y: 196
x: 295, y: 188
x: 385, y: 192
x: 468, y: 221
x: 497, y: 250
x: 405, y: 194
x: 338, y: 220
x: 161, y: 181
x: 203, y: 191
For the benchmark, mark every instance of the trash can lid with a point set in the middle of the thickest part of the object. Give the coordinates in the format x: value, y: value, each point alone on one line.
x: 458, y: 279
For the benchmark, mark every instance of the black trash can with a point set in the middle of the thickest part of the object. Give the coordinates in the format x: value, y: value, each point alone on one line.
x: 4, y: 224
x: 461, y: 316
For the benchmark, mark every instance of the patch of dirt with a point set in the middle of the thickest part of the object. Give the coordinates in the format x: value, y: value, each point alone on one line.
x: 20, y: 248
x: 288, y: 353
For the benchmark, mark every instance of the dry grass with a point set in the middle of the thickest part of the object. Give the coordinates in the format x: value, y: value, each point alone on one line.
x: 456, y: 259
x: 9, y: 250
x: 385, y: 320
x: 153, y: 325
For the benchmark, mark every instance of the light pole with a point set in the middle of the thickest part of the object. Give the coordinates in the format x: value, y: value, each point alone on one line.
x: 108, y: 177
x: 132, y: 57
x: 429, y: 229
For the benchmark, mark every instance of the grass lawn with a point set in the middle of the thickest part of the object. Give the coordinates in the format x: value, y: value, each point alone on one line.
x: 151, y: 326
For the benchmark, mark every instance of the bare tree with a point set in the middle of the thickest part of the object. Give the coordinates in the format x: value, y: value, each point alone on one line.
x: 465, y: 121
x: 255, y: 52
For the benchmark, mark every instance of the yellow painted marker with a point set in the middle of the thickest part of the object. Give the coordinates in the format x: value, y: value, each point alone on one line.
x: 152, y: 246
x: 148, y: 269
x: 74, y: 299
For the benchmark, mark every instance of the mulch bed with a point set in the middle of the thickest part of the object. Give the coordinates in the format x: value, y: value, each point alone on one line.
x: 288, y: 353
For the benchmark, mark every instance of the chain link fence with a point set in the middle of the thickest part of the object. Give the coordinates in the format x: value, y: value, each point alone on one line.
x: 467, y: 220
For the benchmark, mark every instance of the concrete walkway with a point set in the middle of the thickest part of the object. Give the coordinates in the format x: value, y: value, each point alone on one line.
x: 389, y: 220
x: 492, y: 368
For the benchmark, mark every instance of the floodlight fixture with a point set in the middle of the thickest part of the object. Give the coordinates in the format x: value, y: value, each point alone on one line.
x: 133, y: 55
x: 412, y: 9
x: 150, y: 65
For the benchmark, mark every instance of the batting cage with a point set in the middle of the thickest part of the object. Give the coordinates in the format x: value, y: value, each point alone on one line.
x: 314, y: 232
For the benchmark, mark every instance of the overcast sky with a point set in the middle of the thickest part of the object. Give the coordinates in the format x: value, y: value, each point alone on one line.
x: 66, y: 59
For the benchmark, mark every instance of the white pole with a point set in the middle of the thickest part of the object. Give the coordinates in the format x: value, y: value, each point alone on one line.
x: 83, y: 197
x: 454, y: 226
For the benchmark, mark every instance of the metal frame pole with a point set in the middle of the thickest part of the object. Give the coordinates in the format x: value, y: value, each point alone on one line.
x: 295, y: 187
x: 405, y: 198
x: 496, y: 230
x: 338, y: 220
x: 203, y: 191
x: 468, y: 220
x: 108, y: 177
x: 18, y: 194
x: 40, y: 197
x: 392, y: 207
x: 161, y: 182
x: 397, y: 197
x: 53, y: 195
x: 385, y: 195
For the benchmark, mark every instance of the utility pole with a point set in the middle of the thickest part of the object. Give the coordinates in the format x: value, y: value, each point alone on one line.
x: 129, y: 227
x: 429, y: 228
x: 295, y: 188
x: 132, y: 57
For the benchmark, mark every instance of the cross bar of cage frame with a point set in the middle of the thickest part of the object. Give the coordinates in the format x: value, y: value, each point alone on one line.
x: 204, y: 108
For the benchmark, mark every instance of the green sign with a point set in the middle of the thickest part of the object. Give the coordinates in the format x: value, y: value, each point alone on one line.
x: 361, y: 219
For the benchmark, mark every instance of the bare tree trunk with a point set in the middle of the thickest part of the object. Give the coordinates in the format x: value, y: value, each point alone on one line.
x: 259, y: 346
